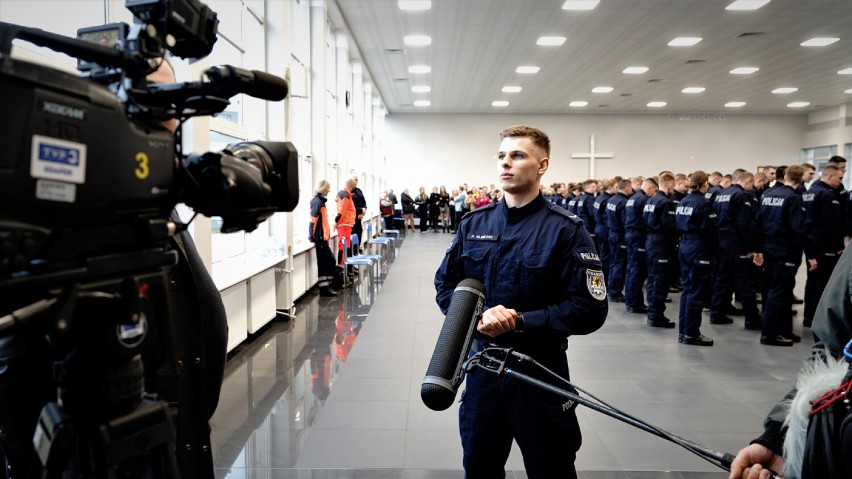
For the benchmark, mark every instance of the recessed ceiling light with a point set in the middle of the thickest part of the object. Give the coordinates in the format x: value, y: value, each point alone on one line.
x: 415, y: 4
x: 550, y: 41
x: 580, y: 4
x: 798, y: 104
x: 744, y: 70
x: 422, y: 102
x: 421, y: 88
x: 845, y: 71
x: 500, y: 103
x: 734, y: 104
x: 527, y: 70
x: 418, y: 40
x: 693, y: 89
x: 578, y: 104
x: 848, y: 91
x: 684, y: 41
x: 602, y: 89
x: 657, y: 104
x: 781, y: 91
x: 419, y: 69
x: 746, y: 4
x: 819, y: 42
x: 512, y: 89
x: 634, y: 70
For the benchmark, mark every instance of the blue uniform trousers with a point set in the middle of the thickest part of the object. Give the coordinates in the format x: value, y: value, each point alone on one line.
x: 659, y: 254
x: 778, y: 301
x: 734, y: 275
x: 696, y: 273
x: 602, y: 245
x: 495, y: 409
x: 617, y: 263
x: 817, y: 280
x: 637, y: 269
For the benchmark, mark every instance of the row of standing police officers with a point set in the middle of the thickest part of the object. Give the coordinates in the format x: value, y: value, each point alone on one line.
x: 722, y: 235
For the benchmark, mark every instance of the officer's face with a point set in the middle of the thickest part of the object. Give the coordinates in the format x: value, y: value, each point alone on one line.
x: 521, y: 165
x: 834, y: 181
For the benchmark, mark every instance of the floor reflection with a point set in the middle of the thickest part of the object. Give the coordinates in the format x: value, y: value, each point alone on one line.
x: 276, y: 384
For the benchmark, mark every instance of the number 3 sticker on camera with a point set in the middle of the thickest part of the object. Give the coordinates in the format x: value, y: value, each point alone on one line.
x: 55, y: 159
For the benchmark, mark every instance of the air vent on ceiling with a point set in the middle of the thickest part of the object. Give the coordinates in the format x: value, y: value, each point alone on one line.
x: 688, y: 62
x: 400, y: 79
x: 626, y: 94
x: 656, y: 80
x: 750, y: 34
x: 394, y: 51
x: 603, y: 106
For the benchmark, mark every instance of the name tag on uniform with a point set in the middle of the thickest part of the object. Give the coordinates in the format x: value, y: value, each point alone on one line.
x: 483, y: 237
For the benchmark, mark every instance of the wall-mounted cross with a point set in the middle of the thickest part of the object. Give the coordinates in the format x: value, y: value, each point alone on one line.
x: 592, y: 155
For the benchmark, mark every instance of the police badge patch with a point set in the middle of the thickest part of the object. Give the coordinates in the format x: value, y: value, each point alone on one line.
x: 595, y: 284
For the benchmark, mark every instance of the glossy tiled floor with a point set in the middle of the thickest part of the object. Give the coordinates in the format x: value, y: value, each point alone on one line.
x: 334, y: 393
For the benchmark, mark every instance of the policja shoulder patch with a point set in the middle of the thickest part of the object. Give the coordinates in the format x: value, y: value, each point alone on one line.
x: 596, y: 284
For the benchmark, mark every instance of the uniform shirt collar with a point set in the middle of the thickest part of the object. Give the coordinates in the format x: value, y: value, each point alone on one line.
x: 517, y: 214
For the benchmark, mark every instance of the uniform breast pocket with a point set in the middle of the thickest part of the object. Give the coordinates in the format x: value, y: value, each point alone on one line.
x: 475, y: 262
x: 539, y: 273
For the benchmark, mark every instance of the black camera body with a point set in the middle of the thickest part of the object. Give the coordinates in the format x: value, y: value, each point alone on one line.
x: 89, y: 169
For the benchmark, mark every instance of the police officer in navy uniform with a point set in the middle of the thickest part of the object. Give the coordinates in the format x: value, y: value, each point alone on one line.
x: 660, y: 248
x: 822, y: 211
x: 695, y: 220
x: 735, y: 211
x: 635, y: 235
x: 781, y: 232
x: 543, y: 282
x: 615, y: 215
x: 601, y: 229
x: 584, y: 206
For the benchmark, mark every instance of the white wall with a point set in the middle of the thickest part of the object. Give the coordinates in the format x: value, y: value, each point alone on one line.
x: 434, y: 149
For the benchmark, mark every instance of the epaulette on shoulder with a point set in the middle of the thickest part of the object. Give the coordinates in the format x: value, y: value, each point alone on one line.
x: 563, y: 212
x: 490, y: 206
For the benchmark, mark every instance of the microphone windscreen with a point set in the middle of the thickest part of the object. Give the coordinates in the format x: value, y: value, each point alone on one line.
x: 443, y: 376
x: 268, y: 86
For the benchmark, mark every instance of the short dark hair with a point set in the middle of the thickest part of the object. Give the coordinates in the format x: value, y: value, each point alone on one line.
x: 837, y: 159
x: 538, y: 137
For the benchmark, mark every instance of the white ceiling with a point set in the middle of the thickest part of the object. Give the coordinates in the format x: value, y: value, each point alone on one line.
x: 478, y: 44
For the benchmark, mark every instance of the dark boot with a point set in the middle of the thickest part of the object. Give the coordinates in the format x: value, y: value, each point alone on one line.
x: 327, y: 292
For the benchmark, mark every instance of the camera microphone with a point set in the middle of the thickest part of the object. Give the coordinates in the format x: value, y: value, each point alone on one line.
x: 251, y: 82
x: 444, y: 374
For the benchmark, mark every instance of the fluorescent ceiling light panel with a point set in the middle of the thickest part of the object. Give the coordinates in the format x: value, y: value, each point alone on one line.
x: 421, y: 88
x: 845, y: 71
x: 415, y: 5
x: 848, y: 91
x: 784, y: 90
x: 550, y: 41
x: 419, y: 69
x: 734, y: 104
x: 634, y: 70
x: 746, y: 4
x: 602, y: 89
x: 578, y: 104
x: 527, y: 70
x: 512, y: 89
x: 422, y: 103
x: 693, y: 89
x: 657, y: 104
x: 580, y: 4
x: 819, y: 42
x: 744, y: 70
x: 684, y: 41
x: 417, y: 40
x: 500, y: 103
x: 798, y: 104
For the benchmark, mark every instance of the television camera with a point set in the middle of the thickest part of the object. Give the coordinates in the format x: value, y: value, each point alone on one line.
x: 88, y: 182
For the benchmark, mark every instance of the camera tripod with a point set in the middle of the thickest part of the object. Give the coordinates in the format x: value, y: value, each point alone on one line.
x: 102, y: 425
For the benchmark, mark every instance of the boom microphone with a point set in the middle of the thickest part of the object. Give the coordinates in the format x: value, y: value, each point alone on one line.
x: 444, y: 375
x: 251, y: 82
